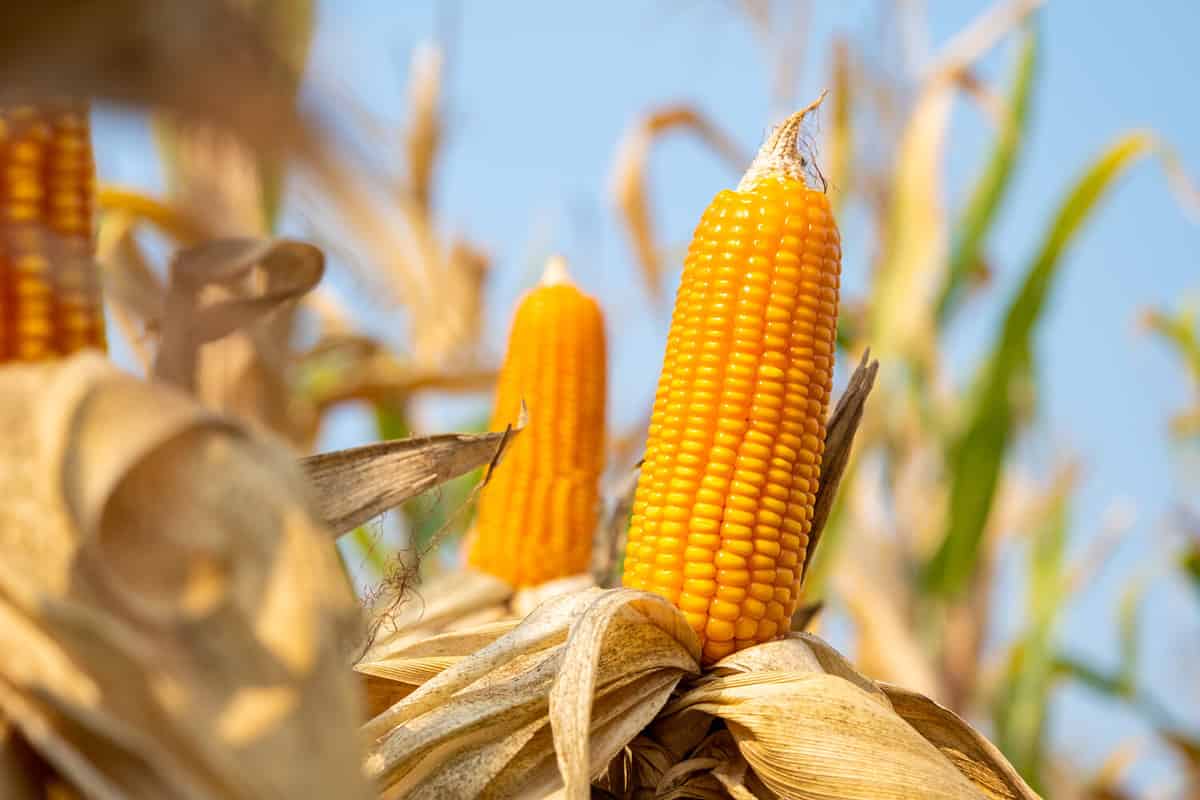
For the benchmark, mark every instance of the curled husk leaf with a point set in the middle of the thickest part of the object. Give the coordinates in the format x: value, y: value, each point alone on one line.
x: 602, y: 688
x: 172, y: 615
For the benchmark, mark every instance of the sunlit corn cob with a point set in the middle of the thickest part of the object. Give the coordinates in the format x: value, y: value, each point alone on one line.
x: 49, y: 290
x: 724, y: 503
x: 538, y: 513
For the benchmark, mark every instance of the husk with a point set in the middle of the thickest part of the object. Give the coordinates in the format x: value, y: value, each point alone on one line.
x: 172, y: 616
x: 491, y: 720
x: 629, y: 712
x: 352, y: 486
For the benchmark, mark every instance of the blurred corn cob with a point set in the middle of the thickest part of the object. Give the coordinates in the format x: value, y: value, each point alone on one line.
x: 537, y: 516
x: 49, y: 288
x: 723, y: 508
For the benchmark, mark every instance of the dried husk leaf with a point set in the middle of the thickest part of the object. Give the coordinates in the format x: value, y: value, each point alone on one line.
x: 814, y: 735
x: 424, y: 134
x: 132, y: 289
x: 546, y: 627
x: 619, y: 648
x: 352, y: 486
x: 811, y: 726
x: 172, y: 617
x: 527, y: 598
x: 390, y: 225
x: 973, y: 755
x: 343, y: 367
x: 21, y: 773
x: 839, y: 439
x: 231, y: 191
x: 391, y: 670
x: 571, y: 697
x: 250, y: 278
x: 805, y: 723
x: 414, y: 639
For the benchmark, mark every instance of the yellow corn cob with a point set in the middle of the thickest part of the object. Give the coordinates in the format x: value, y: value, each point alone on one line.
x: 49, y: 289
x: 538, y: 513
x: 724, y: 503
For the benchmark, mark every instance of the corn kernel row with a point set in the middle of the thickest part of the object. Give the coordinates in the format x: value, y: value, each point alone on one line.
x: 538, y: 514
x: 49, y: 289
x: 723, y: 507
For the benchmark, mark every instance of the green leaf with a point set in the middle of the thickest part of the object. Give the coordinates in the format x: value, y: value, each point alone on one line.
x: 980, y: 213
x: 1111, y: 686
x: 374, y: 554
x: 391, y: 421
x: 1191, y: 567
x: 1020, y: 713
x: 976, y: 457
x: 1128, y: 615
x: 1182, y: 331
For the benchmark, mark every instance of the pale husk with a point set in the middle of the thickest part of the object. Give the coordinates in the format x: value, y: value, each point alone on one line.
x: 591, y: 668
x: 629, y: 711
x: 172, y: 615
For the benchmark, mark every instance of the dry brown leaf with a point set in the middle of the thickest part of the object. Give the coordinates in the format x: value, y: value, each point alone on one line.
x: 490, y: 710
x: 22, y: 774
x: 418, y: 631
x: 839, y: 440
x: 629, y: 179
x: 788, y: 726
x: 809, y: 734
x: 571, y: 697
x: 284, y: 270
x: 425, y: 132
x: 839, y: 167
x: 886, y: 646
x: 352, y: 486
x: 214, y: 179
x: 916, y: 238
x: 526, y: 599
x: 973, y: 755
x: 353, y: 367
x: 207, y: 59
x: 390, y: 226
x: 132, y: 289
x: 612, y: 531
x: 172, y: 617
x: 805, y: 723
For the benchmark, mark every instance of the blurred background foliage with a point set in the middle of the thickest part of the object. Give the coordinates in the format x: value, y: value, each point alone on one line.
x: 977, y: 553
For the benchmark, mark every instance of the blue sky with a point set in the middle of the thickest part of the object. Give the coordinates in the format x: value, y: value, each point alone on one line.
x: 541, y: 91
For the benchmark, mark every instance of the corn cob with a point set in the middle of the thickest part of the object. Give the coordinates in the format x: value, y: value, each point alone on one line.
x: 723, y: 506
x: 49, y: 290
x: 538, y: 513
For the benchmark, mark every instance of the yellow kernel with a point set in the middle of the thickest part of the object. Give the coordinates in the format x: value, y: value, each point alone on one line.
x: 745, y: 629
x: 724, y: 610
x: 727, y: 560
x: 719, y: 630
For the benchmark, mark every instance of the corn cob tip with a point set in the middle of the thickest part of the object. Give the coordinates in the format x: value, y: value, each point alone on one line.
x: 556, y: 272
x: 780, y: 153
